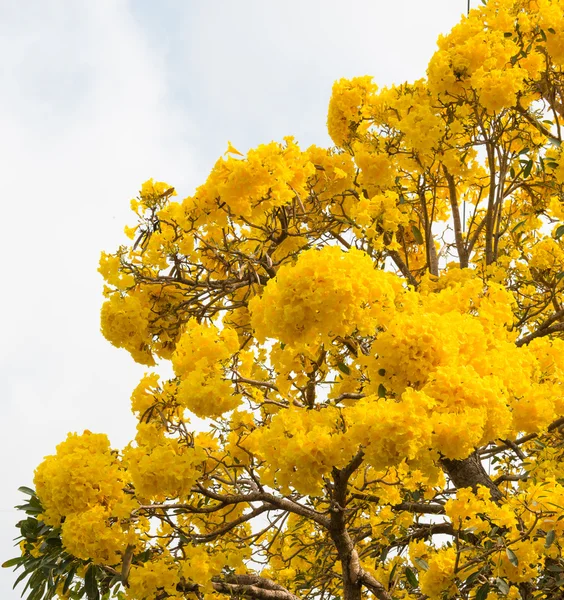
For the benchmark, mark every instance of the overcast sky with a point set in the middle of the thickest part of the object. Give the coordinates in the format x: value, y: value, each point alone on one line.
x: 96, y: 97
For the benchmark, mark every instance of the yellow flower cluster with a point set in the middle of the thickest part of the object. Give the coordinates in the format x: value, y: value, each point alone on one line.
x: 82, y: 487
x: 377, y: 216
x: 110, y: 269
x: 544, y: 499
x: 496, y: 51
x: 201, y: 563
x: 550, y: 14
x: 411, y: 111
x: 536, y: 409
x: 497, y: 88
x: 124, y: 322
x: 349, y: 106
x: 424, y: 346
x: 439, y: 577
x: 145, y: 393
x: 547, y: 255
x: 390, y: 431
x: 298, y: 447
x: 376, y: 168
x: 84, y: 473
x: 161, y: 574
x: 327, y: 293
x: 161, y: 467
x: 474, y: 511
x: 200, y: 361
x: 269, y: 176
x: 153, y: 194
x: 468, y: 409
x: 415, y: 344
x: 334, y: 172
x: 91, y: 535
x: 472, y: 55
x: 529, y: 559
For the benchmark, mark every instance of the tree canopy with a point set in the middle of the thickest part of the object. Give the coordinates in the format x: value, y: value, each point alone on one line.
x: 368, y: 352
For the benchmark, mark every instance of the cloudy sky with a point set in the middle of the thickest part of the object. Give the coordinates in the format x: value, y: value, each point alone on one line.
x: 99, y: 96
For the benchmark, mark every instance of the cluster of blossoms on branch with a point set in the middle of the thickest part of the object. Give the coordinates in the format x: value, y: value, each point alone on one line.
x: 372, y: 336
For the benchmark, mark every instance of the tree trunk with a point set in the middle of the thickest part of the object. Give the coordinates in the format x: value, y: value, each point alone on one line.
x: 470, y: 472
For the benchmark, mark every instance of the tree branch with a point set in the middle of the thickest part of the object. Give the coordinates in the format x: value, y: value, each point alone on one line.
x: 281, y: 503
x: 470, y: 472
x: 546, y: 328
x: 248, y: 586
x: 460, y: 245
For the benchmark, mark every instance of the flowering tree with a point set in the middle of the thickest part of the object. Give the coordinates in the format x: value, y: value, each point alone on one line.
x: 372, y: 335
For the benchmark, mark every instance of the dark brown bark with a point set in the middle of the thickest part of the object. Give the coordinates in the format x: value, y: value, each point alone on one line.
x: 470, y: 472
x: 400, y: 264
x: 348, y: 556
x: 553, y: 324
x: 491, y: 206
x: 354, y: 578
x: 242, y: 586
x: 458, y: 225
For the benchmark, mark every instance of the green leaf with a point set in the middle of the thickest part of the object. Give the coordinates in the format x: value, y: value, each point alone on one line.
x: 90, y: 585
x: 344, y: 368
x: 549, y: 538
x: 551, y: 30
x: 519, y: 225
x: 381, y: 391
x: 559, y: 232
x: 512, y: 557
x: 37, y: 593
x: 417, y: 235
x: 508, y: 34
x: 80, y: 594
x: 20, y: 577
x: 422, y: 564
x: 483, y: 591
x: 502, y: 586
x: 472, y: 578
x: 30, y: 509
x: 26, y: 490
x: 35, y: 580
x: 411, y: 577
x: 69, y: 579
x: 183, y: 538
x: 13, y: 562
x: 528, y: 168
x: 555, y: 568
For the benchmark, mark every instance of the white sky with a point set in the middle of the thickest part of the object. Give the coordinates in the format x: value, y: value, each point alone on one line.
x: 96, y: 98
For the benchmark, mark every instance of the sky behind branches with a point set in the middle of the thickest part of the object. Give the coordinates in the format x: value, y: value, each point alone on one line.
x: 99, y: 96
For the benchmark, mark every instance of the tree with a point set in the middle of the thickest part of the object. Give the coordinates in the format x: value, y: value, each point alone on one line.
x: 373, y: 335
